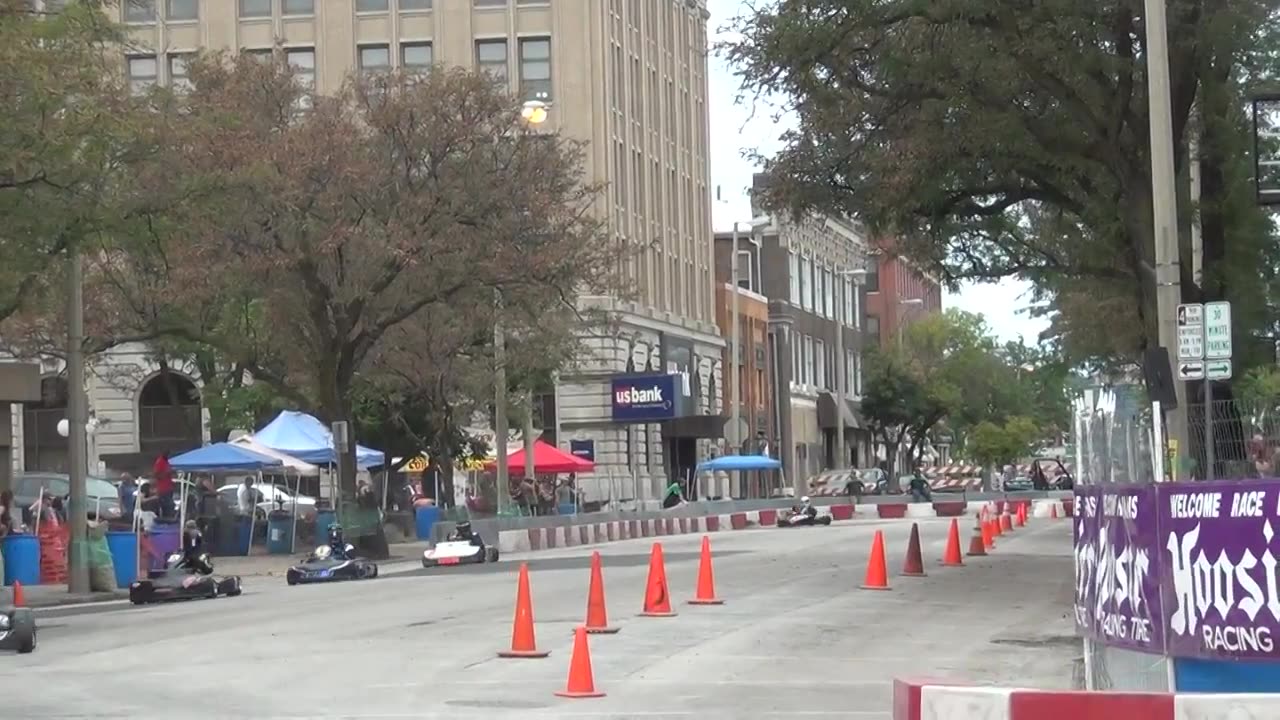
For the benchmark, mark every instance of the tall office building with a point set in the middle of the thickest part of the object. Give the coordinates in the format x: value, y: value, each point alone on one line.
x: 630, y: 77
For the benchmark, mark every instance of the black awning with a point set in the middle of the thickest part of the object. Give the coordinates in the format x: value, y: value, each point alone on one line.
x: 830, y: 409
x: 695, y: 426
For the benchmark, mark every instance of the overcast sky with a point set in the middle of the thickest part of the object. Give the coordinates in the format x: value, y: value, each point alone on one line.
x: 750, y: 125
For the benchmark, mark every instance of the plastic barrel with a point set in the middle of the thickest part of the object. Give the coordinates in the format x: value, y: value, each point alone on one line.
x: 21, y: 559
x: 324, y: 519
x: 165, y: 539
x: 567, y: 509
x: 424, y: 519
x: 280, y: 534
x: 124, y: 556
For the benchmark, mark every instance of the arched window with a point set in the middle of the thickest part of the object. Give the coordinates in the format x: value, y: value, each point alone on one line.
x: 168, y: 414
x: 42, y: 447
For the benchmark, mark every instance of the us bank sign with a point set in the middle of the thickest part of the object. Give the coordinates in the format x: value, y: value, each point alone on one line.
x: 644, y: 398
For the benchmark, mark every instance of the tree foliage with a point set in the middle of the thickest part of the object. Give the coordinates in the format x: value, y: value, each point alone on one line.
x: 1001, y: 138
x: 949, y: 377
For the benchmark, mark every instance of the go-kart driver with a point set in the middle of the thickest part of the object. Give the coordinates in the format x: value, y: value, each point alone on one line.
x: 462, y: 532
x: 337, y: 543
x: 193, y: 549
x: 806, y: 509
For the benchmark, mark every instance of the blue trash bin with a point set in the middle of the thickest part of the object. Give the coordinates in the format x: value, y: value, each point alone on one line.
x: 21, y: 559
x: 324, y: 518
x: 280, y: 534
x: 124, y: 556
x: 567, y: 509
x: 424, y: 519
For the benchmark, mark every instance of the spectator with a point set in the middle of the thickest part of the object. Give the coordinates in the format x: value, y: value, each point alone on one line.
x: 674, y: 496
x: 7, y: 523
x: 162, y: 478
x: 128, y: 493
x: 245, y: 497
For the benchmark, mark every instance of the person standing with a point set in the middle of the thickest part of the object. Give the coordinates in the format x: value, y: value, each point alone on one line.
x: 162, y: 473
x: 245, y: 497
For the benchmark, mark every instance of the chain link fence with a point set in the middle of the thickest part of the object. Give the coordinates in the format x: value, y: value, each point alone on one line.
x: 1112, y: 442
x: 1246, y: 441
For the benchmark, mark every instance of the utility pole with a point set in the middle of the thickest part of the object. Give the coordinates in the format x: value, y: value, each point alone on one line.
x: 502, y: 485
x: 1164, y: 201
x: 732, y: 382
x: 77, y: 412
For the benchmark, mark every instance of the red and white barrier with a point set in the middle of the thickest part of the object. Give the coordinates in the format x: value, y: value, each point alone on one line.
x: 924, y: 701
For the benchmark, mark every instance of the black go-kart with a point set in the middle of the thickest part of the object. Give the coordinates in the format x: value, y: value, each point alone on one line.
x: 179, y: 580
x: 322, y: 567
x: 790, y: 518
x: 17, y: 629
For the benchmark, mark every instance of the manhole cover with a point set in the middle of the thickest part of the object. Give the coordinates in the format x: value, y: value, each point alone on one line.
x: 499, y: 704
x: 1051, y: 640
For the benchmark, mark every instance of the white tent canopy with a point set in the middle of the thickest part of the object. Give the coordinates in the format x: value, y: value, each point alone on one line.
x: 300, y: 467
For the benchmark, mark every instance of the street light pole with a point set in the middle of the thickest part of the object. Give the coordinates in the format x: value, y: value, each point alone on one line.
x: 732, y: 382
x: 503, y: 489
x: 77, y: 412
x: 1164, y: 202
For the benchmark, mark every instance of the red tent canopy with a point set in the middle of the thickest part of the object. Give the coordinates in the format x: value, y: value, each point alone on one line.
x: 547, y: 459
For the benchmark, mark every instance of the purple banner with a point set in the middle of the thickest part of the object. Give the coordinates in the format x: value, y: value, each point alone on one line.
x: 1118, y: 567
x: 1219, y: 582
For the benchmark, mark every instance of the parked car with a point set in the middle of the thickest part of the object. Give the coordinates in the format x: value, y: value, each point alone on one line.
x: 1019, y: 483
x: 100, y: 491
x: 270, y: 497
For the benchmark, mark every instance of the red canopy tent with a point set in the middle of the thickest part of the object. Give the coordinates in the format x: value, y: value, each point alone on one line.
x: 547, y: 460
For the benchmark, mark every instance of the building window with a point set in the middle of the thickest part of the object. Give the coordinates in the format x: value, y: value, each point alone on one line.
x: 820, y: 364
x: 415, y: 4
x: 873, y: 327
x: 259, y: 54
x: 371, y: 5
x: 416, y: 57
x: 490, y: 3
x: 374, y: 59
x: 140, y: 11
x: 179, y: 10
x: 535, y: 69
x: 179, y: 74
x: 873, y: 276
x: 793, y: 271
x: 744, y: 270
x: 806, y: 283
x: 303, y: 63
x: 857, y: 374
x: 850, y: 303
x: 533, y: 2
x: 491, y: 57
x: 298, y: 7
x: 255, y: 8
x: 808, y: 360
x: 142, y: 73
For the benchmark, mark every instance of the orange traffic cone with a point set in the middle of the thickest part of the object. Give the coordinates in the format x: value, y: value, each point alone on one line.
x: 1021, y: 519
x: 706, y: 594
x: 913, y: 565
x: 1053, y: 511
x: 1006, y: 524
x: 977, y: 548
x: 523, y: 644
x: 597, y: 615
x: 657, y: 601
x: 996, y: 531
x: 877, y: 574
x: 19, y: 595
x: 581, y: 683
x: 988, y: 536
x: 951, y: 558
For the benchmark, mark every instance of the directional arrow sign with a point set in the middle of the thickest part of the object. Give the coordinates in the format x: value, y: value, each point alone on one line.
x: 1191, y: 371
x: 1218, y: 369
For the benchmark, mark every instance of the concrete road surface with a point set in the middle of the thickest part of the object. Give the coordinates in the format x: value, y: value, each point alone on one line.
x: 795, y: 639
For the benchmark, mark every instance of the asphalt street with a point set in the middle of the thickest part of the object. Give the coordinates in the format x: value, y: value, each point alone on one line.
x: 796, y: 637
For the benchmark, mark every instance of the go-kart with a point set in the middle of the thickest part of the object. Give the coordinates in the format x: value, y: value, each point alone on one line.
x: 459, y: 552
x: 17, y: 629
x: 321, y: 567
x: 179, y: 581
x: 790, y: 518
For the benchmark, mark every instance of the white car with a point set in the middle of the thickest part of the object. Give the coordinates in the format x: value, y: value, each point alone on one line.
x: 269, y: 498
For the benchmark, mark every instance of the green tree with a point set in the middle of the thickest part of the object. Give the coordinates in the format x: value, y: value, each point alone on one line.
x: 996, y: 445
x: 999, y: 138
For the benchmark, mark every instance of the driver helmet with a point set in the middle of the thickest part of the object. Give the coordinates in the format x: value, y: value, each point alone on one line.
x: 191, y: 525
x: 463, y: 527
x: 805, y: 499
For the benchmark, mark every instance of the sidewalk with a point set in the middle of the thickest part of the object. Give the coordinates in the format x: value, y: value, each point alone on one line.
x: 257, y: 565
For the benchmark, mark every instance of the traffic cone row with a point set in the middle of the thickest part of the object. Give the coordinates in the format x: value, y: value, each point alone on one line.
x: 657, y: 603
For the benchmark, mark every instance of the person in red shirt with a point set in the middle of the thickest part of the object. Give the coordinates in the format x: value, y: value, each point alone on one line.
x: 162, y: 478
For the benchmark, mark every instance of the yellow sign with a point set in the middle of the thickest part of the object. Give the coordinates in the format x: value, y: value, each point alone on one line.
x: 416, y: 465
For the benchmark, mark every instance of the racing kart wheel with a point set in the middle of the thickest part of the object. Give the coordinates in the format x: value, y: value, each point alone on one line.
x: 824, y: 520
x: 491, y: 554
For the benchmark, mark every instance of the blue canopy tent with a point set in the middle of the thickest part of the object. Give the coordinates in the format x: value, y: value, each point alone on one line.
x: 302, y: 436
x: 222, y: 456
x: 743, y: 463
x: 729, y: 463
